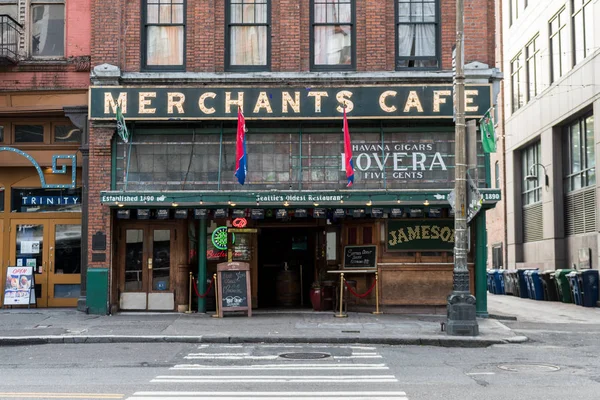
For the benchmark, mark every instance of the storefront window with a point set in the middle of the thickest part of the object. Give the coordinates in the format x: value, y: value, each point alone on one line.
x: 46, y: 200
x: 1, y: 199
x: 67, y: 134
x: 307, y: 158
x: 29, y: 133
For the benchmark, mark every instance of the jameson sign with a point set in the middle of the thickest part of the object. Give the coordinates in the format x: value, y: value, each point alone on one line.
x: 403, y: 101
x: 420, y: 235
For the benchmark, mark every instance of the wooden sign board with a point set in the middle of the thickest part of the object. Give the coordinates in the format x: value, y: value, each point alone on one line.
x: 233, y: 287
x: 362, y: 257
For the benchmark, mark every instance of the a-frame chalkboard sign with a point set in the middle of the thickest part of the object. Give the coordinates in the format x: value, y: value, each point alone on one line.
x: 233, y: 287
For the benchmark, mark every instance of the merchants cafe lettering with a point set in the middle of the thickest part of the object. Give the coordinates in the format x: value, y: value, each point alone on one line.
x: 172, y: 103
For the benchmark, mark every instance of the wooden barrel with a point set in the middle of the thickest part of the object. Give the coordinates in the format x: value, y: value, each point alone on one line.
x: 287, y: 288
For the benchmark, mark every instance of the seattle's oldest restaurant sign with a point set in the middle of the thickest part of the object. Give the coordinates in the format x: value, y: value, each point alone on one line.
x: 402, y: 101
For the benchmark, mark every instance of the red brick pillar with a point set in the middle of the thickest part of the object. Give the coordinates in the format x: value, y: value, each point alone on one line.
x: 99, y: 216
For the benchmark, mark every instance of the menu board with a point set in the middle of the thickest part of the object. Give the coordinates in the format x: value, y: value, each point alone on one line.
x: 20, y: 286
x: 233, y: 283
x: 360, y: 257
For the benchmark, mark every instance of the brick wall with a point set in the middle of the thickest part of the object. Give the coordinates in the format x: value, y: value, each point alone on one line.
x: 99, y: 218
x: 116, y: 34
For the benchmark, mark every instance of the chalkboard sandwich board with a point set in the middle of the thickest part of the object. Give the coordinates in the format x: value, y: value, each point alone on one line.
x: 233, y: 287
x: 360, y: 257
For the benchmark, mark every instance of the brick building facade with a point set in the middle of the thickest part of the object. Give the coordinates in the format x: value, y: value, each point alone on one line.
x: 290, y: 65
x: 44, y: 79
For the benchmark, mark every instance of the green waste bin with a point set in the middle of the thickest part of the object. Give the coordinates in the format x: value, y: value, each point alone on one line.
x: 97, y: 291
x: 562, y: 285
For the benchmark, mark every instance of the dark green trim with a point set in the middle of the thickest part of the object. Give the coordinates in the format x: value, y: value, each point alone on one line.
x: 481, y: 265
x: 325, y: 198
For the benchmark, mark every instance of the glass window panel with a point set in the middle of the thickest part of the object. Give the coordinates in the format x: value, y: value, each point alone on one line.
x: 333, y: 45
x: 178, y: 14
x: 320, y: 13
x: 29, y: 133
x: 590, y: 152
x: 164, y: 12
x: 352, y: 235
x: 404, y: 12
x: 134, y: 259
x: 1, y: 198
x: 575, y: 148
x: 248, y: 13
x: 344, y: 13
x: 67, y: 291
x: 589, y: 29
x: 152, y: 14
x: 249, y: 45
x: 30, y: 246
x: 367, y: 235
x: 261, y: 13
x: 67, y: 249
x: 67, y: 134
x: 578, y: 37
x: 161, y: 262
x: 165, y: 45
x: 1, y: 134
x: 48, y: 30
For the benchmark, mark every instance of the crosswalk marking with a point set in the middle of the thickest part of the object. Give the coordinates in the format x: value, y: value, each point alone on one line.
x: 388, y: 395
x: 339, y: 370
x: 280, y: 367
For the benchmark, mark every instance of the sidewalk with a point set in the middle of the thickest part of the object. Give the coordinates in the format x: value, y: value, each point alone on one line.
x: 40, y: 326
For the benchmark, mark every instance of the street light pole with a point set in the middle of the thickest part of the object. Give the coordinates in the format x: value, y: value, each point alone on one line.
x: 461, y: 303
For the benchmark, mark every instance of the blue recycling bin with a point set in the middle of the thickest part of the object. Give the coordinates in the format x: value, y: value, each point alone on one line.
x: 529, y: 284
x: 508, y: 283
x: 497, y: 281
x: 573, y: 278
x: 537, y: 287
x: 523, y: 286
x: 589, y: 286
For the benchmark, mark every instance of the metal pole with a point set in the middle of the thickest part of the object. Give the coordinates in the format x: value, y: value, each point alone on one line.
x: 189, y: 311
x: 216, y: 315
x: 377, y: 294
x: 341, y: 314
x: 461, y: 304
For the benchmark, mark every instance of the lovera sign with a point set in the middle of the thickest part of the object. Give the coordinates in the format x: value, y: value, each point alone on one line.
x: 402, y: 161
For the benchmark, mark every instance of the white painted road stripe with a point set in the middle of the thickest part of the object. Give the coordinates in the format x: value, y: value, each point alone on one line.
x: 248, y: 357
x: 481, y: 373
x: 215, y: 379
x: 272, y: 394
x: 218, y: 354
x: 280, y: 367
x: 209, y: 377
x: 178, y: 397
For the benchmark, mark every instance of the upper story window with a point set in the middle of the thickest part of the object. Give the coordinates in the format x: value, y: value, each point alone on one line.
x: 248, y: 35
x: 47, y: 28
x: 579, y: 156
x: 533, y: 68
x: 417, y: 28
x: 40, y: 133
x: 516, y: 82
x: 583, y: 29
x: 532, y: 189
x: 559, y: 46
x: 333, y: 35
x: 164, y: 34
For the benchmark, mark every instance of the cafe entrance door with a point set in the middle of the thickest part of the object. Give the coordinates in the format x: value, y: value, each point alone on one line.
x: 53, y: 249
x: 145, y: 255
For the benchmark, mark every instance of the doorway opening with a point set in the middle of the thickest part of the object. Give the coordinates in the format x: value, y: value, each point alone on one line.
x: 286, y: 266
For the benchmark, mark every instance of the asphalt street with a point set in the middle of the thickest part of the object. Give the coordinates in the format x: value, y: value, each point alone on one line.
x: 154, y: 371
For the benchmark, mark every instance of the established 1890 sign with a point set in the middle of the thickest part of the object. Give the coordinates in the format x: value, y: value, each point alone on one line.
x: 402, y: 101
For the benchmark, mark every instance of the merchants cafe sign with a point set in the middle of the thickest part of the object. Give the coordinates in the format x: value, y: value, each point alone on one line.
x: 367, y: 102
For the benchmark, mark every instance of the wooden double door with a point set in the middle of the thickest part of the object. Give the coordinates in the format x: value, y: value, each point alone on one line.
x: 146, y: 256
x: 53, y: 248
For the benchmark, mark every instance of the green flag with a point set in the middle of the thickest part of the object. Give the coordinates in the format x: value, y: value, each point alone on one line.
x: 488, y: 135
x: 121, y: 127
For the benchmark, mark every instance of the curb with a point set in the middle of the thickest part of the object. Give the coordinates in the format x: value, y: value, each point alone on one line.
x: 465, y: 342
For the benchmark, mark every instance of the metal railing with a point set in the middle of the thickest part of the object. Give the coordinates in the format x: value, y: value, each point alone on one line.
x: 10, y: 32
